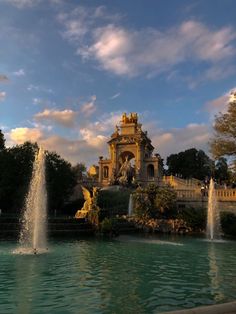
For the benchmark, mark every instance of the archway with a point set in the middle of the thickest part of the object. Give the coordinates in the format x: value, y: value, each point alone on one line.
x: 150, y: 171
x: 105, y: 172
x: 126, y: 171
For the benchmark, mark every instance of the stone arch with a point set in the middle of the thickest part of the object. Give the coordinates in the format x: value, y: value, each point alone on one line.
x: 150, y: 171
x: 105, y: 172
x: 126, y: 153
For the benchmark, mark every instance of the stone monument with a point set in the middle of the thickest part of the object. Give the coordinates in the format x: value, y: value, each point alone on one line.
x: 131, y: 156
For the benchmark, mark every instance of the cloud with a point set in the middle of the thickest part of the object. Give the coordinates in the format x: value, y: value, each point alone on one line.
x: 3, y: 78
x: 65, y: 117
x: 115, y: 96
x: 175, y: 140
x: 21, y: 4
x: 90, y: 140
x: 219, y: 104
x: 21, y: 135
x: 89, y: 107
x: 20, y: 72
x: 74, y: 150
x: 37, y: 88
x: 151, y: 51
x: 2, y: 96
x: 43, y: 102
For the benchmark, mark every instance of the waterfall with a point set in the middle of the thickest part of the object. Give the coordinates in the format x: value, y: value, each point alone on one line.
x: 130, y: 208
x: 33, y: 233
x: 213, y: 215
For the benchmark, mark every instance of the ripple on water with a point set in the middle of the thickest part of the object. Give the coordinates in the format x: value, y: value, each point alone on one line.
x: 100, y: 276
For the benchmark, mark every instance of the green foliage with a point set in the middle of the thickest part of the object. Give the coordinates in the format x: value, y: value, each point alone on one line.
x: 2, y: 141
x: 191, y: 163
x: 154, y: 201
x: 114, y: 202
x: 221, y: 170
x: 165, y: 200
x: 16, y: 165
x: 79, y: 171
x: 224, y: 142
x: 106, y: 226
x: 60, y: 180
x: 228, y: 223
x: 194, y: 217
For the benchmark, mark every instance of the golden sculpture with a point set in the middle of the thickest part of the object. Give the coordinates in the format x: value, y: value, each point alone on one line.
x: 89, y: 204
x: 132, y: 118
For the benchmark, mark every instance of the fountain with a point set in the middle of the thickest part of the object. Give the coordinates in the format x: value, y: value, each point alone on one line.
x: 33, y: 233
x: 213, y: 216
x: 130, y: 208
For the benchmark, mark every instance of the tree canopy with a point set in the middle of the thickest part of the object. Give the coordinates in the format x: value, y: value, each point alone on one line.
x: 191, y: 163
x: 2, y: 140
x: 16, y: 164
x: 224, y: 141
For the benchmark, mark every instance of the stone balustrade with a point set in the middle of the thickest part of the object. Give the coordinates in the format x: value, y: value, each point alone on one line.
x: 222, y: 195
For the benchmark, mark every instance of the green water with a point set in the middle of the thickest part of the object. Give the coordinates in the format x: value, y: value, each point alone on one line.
x: 129, y: 274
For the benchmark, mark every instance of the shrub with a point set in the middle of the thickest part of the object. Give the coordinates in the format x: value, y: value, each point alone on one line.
x: 228, y: 223
x: 196, y: 218
x: 154, y: 201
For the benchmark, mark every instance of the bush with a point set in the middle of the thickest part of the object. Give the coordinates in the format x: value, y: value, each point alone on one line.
x: 114, y: 202
x: 106, y: 226
x: 228, y: 223
x: 196, y: 218
x: 154, y: 201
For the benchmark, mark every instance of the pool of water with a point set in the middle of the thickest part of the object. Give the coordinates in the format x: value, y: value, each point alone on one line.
x: 129, y: 274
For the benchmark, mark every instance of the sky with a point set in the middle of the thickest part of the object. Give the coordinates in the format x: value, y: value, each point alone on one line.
x: 70, y: 68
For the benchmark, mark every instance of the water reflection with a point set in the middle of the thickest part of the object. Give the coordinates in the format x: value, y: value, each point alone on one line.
x: 25, y: 271
x: 214, y: 273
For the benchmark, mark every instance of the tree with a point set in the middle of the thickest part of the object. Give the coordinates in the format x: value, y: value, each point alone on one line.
x: 165, y: 200
x: 224, y: 142
x: 221, y: 170
x: 2, y: 141
x: 191, y: 163
x: 154, y: 201
x: 79, y: 171
x: 16, y: 166
x: 61, y: 181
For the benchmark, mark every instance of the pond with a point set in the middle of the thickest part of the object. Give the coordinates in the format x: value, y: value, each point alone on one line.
x: 128, y: 274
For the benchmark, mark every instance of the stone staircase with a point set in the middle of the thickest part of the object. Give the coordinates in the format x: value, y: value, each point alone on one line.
x: 10, y: 227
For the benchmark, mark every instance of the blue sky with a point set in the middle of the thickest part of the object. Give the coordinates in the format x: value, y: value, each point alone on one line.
x: 68, y: 69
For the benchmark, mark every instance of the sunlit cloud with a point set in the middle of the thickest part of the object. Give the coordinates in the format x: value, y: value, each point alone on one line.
x: 219, y: 104
x: 174, y: 140
x: 21, y: 135
x: 89, y: 107
x: 128, y: 52
x: 65, y: 117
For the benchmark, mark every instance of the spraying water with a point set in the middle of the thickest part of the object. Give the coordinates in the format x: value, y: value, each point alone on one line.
x: 213, y: 216
x: 33, y: 233
x: 130, y: 208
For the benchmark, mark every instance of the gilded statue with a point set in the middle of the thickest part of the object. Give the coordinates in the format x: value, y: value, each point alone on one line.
x: 132, y: 118
x: 90, y: 202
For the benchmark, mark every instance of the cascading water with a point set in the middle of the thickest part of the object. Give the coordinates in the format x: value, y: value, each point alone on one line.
x: 33, y: 233
x: 213, y: 216
x: 130, y: 208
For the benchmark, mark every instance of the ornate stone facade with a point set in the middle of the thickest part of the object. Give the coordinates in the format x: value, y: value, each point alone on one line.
x: 131, y: 156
